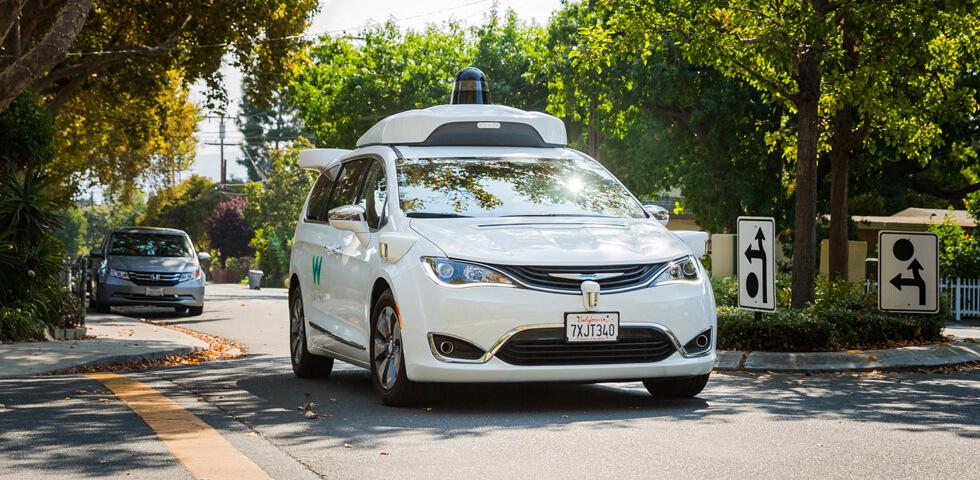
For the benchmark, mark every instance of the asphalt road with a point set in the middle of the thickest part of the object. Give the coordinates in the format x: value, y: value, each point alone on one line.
x: 742, y: 426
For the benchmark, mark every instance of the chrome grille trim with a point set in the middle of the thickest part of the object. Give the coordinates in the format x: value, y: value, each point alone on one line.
x: 556, y: 279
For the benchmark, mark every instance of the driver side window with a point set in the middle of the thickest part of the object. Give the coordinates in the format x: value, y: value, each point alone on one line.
x: 373, y: 195
x: 345, y: 190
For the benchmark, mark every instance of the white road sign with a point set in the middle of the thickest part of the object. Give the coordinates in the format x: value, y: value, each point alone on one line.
x: 756, y: 252
x: 908, y: 272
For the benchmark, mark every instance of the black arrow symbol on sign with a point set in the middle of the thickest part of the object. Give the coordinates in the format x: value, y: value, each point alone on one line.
x: 915, y: 281
x: 751, y: 254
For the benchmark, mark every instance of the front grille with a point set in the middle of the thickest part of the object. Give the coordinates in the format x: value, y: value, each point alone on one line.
x: 631, y: 276
x: 547, y: 346
x: 153, y: 279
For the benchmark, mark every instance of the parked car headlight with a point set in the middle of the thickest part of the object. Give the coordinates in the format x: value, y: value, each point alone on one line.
x: 453, y: 273
x: 118, y: 274
x: 682, y: 270
x: 190, y: 275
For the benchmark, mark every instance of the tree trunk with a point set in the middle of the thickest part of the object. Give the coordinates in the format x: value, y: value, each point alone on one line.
x: 593, y: 129
x: 839, y: 165
x: 52, y: 50
x: 805, y: 222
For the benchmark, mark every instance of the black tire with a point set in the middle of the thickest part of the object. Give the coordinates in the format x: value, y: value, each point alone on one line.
x: 96, y: 304
x: 180, y: 309
x: 305, y: 364
x: 676, y: 387
x: 387, y: 356
x: 195, y: 311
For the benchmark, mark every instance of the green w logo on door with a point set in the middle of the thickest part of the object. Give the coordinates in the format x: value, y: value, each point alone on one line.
x: 317, y: 265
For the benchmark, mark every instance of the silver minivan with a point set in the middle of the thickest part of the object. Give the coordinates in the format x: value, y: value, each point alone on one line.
x: 148, y: 266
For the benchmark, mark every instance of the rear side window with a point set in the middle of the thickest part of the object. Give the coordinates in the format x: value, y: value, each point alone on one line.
x: 345, y: 191
x: 373, y: 195
x: 318, y: 199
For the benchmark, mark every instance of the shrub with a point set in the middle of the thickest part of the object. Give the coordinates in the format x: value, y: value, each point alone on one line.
x: 841, y: 318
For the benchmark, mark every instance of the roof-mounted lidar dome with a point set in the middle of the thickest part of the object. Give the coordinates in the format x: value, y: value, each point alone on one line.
x: 470, y: 87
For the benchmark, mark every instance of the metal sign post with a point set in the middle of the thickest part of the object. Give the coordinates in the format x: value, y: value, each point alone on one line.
x: 756, y: 252
x: 908, y: 272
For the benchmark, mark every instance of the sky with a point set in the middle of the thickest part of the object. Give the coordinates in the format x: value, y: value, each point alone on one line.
x: 337, y: 17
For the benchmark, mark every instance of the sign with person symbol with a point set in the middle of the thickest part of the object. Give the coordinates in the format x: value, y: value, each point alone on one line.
x: 908, y: 272
x: 756, y: 252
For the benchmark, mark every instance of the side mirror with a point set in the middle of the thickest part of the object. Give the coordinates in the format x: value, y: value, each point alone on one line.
x: 95, y: 252
x: 659, y: 213
x: 202, y: 256
x: 352, y: 218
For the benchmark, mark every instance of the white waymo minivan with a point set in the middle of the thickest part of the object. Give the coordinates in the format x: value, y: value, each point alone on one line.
x: 468, y: 243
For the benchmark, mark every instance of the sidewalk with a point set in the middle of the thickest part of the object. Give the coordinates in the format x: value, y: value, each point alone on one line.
x: 123, y: 340
x: 117, y: 339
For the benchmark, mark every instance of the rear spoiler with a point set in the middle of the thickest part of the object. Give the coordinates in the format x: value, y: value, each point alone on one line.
x: 320, y: 158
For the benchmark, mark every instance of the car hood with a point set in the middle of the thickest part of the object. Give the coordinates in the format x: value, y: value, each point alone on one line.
x: 153, y: 264
x: 552, y: 241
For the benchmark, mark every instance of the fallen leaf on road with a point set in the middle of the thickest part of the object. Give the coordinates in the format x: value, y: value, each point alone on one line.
x: 307, y: 395
x: 347, y: 445
x: 226, y: 386
x: 382, y: 451
x: 945, y: 344
x: 250, y: 434
x: 310, y: 415
x: 799, y: 382
x: 80, y: 391
x: 200, y: 399
x: 326, y: 415
x: 564, y: 416
x: 67, y: 398
x: 306, y: 406
x: 333, y: 399
x: 872, y: 357
x: 852, y: 351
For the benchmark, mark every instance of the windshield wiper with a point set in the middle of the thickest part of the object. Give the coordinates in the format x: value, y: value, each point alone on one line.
x: 434, y: 215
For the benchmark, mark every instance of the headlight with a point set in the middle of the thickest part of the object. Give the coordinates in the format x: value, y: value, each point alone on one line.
x: 190, y: 276
x: 682, y: 270
x: 450, y: 272
x: 118, y: 274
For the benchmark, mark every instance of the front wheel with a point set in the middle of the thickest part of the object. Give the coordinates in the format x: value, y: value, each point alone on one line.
x: 676, y: 387
x: 305, y: 364
x: 387, y: 356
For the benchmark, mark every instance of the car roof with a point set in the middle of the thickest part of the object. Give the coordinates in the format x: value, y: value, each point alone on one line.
x: 468, y: 125
x: 158, y: 230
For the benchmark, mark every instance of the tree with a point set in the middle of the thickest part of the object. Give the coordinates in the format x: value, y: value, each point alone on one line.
x: 26, y: 134
x: 797, y: 53
x: 266, y: 130
x: 272, y: 210
x: 183, y: 207
x: 26, y: 68
x: 350, y: 86
x: 227, y: 230
x: 663, y: 122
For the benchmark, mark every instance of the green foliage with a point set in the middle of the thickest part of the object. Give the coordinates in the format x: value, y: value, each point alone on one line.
x: 26, y: 134
x: 351, y: 85
x: 842, y: 317
x: 267, y: 129
x: 137, y: 139
x: 272, y: 210
x: 959, y: 252
x: 725, y: 290
x: 183, y: 207
x: 30, y: 258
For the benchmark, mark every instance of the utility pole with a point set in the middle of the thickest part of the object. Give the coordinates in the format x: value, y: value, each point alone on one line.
x: 221, y: 131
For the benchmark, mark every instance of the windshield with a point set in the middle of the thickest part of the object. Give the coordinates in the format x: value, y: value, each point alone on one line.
x: 500, y: 187
x: 150, y: 245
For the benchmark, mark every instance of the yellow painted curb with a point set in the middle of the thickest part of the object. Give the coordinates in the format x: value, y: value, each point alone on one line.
x: 200, y: 448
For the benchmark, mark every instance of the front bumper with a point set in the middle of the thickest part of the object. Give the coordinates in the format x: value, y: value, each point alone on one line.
x: 117, y: 292
x: 488, y: 316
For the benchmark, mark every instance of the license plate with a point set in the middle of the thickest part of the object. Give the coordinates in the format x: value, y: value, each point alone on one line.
x: 592, y: 327
x: 154, y: 291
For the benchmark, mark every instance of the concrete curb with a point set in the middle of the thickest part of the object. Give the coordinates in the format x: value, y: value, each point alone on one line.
x: 907, y: 358
x: 117, y: 339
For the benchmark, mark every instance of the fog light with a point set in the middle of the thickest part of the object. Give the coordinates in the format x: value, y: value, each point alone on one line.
x: 699, y: 344
x: 448, y: 348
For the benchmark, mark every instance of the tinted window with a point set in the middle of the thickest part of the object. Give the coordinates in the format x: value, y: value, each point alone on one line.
x: 345, y: 191
x: 373, y: 194
x: 150, y: 245
x: 319, y: 197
